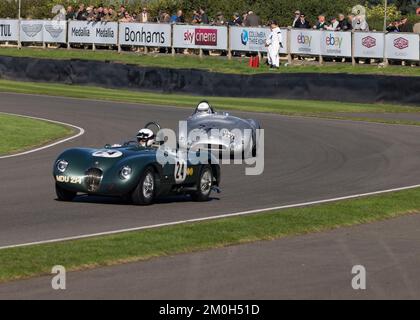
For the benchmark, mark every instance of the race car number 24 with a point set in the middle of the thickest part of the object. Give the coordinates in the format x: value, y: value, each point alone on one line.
x: 180, y: 171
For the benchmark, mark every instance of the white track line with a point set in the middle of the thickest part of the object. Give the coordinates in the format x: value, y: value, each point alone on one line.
x: 81, y: 132
x: 303, y: 204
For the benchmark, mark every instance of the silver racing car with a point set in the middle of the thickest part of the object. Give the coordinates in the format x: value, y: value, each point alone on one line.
x: 220, y: 131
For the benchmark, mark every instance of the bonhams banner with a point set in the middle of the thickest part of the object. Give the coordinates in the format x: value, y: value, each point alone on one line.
x: 93, y: 32
x: 252, y: 39
x: 402, y: 46
x: 204, y: 37
x: 336, y: 44
x: 305, y: 42
x: 145, y: 34
x: 9, y: 30
x: 369, y: 44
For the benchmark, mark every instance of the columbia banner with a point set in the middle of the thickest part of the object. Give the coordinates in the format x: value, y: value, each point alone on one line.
x: 9, y: 30
x: 204, y: 37
x: 145, y: 34
x: 93, y: 32
x: 252, y: 39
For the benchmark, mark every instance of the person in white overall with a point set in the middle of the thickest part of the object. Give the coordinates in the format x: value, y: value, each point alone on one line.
x: 273, y: 44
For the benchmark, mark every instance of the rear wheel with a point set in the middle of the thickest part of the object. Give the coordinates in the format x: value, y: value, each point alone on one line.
x: 63, y: 194
x: 145, y: 190
x: 205, y: 183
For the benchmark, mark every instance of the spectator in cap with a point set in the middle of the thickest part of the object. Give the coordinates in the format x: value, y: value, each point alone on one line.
x: 343, y: 23
x: 236, y: 20
x: 220, y: 19
x: 333, y: 26
x: 302, y: 23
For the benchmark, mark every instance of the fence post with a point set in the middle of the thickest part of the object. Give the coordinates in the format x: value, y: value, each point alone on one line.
x: 289, y: 44
x: 385, y: 59
x: 67, y: 35
x: 200, y: 53
x: 229, y: 55
x: 19, y: 42
x: 353, y: 59
x: 118, y: 38
x: 93, y: 47
x: 172, y: 40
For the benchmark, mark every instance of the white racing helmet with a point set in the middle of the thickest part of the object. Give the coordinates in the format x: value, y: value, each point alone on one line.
x: 145, y: 137
x: 203, y: 107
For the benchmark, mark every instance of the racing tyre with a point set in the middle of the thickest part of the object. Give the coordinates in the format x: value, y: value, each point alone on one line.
x: 145, y: 191
x: 63, y: 194
x: 204, y: 186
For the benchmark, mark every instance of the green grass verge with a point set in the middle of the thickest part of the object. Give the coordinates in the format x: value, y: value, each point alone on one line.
x: 286, y: 107
x: 20, y: 133
x: 215, y: 64
x: 23, y: 262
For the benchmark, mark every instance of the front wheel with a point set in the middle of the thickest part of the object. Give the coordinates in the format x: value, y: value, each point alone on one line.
x: 145, y: 191
x: 63, y: 194
x: 205, y: 183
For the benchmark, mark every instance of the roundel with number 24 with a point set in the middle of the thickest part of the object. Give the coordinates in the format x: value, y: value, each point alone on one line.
x: 180, y: 171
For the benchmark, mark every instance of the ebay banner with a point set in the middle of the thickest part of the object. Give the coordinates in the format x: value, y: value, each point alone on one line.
x: 305, y: 42
x: 337, y: 44
x: 204, y: 37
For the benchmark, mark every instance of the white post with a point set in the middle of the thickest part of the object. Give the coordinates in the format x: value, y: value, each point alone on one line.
x: 386, y: 14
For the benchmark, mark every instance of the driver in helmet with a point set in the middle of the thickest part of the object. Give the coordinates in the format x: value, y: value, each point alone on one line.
x: 204, y: 108
x: 145, y: 138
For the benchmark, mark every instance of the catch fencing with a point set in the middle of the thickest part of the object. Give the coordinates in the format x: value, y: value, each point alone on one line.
x: 303, y: 42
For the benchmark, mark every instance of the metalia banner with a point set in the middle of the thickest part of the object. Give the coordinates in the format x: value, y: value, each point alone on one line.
x: 93, y: 32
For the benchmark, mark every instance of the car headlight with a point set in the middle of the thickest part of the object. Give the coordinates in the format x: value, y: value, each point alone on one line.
x: 62, y: 165
x: 126, y: 172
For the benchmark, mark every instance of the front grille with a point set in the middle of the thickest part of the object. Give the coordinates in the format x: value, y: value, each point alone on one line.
x: 93, y: 177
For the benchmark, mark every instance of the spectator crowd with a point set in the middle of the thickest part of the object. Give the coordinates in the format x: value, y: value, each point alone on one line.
x: 341, y: 22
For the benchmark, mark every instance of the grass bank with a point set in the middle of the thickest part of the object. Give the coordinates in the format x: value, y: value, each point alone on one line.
x: 287, y: 107
x: 20, y: 133
x: 210, y: 63
x: 23, y: 262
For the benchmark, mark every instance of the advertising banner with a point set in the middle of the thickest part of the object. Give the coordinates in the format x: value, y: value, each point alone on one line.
x: 306, y: 42
x: 402, y: 46
x: 369, y: 44
x: 31, y: 30
x: 55, y: 31
x: 252, y: 39
x: 337, y: 44
x: 9, y: 30
x: 145, y: 34
x: 93, y: 32
x: 204, y: 37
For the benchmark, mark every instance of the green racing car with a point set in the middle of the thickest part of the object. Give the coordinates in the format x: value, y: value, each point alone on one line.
x: 132, y: 171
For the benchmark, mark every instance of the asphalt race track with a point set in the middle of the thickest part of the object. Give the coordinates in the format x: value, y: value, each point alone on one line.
x: 306, y: 159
